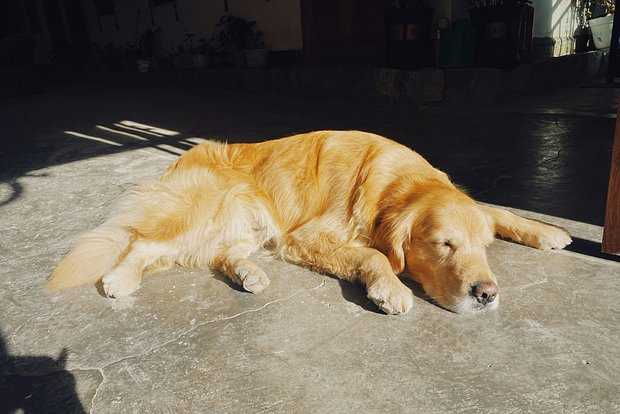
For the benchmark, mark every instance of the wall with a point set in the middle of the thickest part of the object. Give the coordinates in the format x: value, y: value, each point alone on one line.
x: 280, y: 20
x: 543, y: 11
x: 556, y: 19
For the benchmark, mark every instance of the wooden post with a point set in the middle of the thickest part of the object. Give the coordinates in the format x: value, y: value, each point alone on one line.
x: 611, y: 235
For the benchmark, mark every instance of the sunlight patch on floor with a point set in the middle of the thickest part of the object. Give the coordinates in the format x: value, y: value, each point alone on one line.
x: 196, y: 140
x: 170, y: 148
x: 142, y: 131
x: 145, y: 127
x: 127, y: 134
x: 90, y: 137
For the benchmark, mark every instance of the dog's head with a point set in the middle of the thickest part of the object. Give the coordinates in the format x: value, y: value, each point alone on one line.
x: 439, y: 235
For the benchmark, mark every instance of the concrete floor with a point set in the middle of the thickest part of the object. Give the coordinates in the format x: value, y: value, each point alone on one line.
x: 189, y: 342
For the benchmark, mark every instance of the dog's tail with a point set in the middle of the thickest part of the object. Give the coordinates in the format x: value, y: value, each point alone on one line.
x: 151, y: 211
x: 94, y: 255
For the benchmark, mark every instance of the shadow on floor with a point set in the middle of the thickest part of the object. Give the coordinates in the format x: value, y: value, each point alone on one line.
x: 69, y: 146
x: 36, y: 384
x: 356, y: 293
x: 590, y: 248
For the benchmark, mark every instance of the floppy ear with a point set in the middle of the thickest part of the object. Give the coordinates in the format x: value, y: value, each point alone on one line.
x: 390, y: 237
x: 395, y: 217
x: 396, y: 256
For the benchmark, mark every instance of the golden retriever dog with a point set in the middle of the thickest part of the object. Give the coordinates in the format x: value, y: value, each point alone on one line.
x: 347, y: 203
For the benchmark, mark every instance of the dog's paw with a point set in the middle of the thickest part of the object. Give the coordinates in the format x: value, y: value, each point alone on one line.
x: 251, y: 277
x: 391, y: 295
x: 549, y: 237
x: 118, y: 284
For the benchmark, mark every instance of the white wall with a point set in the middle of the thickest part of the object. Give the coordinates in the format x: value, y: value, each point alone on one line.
x: 280, y: 20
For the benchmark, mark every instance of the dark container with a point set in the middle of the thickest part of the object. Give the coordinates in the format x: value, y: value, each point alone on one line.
x: 503, y: 34
x: 409, y: 37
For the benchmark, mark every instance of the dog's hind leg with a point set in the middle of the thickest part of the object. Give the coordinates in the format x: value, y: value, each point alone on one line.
x: 233, y: 261
x: 126, y: 277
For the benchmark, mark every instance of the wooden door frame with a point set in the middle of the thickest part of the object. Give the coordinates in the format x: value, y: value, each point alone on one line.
x: 611, y: 234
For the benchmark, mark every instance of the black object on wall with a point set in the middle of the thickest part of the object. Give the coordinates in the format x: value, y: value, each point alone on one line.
x: 409, y: 37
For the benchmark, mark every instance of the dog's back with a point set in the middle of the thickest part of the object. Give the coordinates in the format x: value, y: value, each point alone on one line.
x: 304, y: 175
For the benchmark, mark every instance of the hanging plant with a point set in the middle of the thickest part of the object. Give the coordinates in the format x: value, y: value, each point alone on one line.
x: 589, y: 9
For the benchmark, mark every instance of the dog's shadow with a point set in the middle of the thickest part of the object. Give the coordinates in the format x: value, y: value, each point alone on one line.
x: 356, y: 293
x: 351, y: 292
x: 36, y: 384
x: 218, y: 275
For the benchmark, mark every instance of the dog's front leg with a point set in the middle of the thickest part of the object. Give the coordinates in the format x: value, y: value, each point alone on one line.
x: 352, y: 263
x: 528, y: 232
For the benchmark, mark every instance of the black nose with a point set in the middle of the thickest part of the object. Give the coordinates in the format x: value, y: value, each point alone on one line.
x: 484, y: 292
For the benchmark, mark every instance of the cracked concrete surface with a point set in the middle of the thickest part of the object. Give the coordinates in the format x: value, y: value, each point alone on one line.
x: 188, y: 341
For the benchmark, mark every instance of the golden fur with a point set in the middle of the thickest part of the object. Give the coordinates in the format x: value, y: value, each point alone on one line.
x: 352, y: 204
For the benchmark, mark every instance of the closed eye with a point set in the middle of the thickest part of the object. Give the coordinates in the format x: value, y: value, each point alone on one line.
x: 446, y: 243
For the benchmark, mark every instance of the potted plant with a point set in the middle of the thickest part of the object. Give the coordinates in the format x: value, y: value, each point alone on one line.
x: 237, y: 40
x: 255, y: 51
x: 594, y: 23
x: 188, y: 55
x: 601, y: 23
x: 582, y: 31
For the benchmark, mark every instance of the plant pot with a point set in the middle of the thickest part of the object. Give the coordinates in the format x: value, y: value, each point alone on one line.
x: 256, y: 58
x: 582, y: 38
x: 601, y: 31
